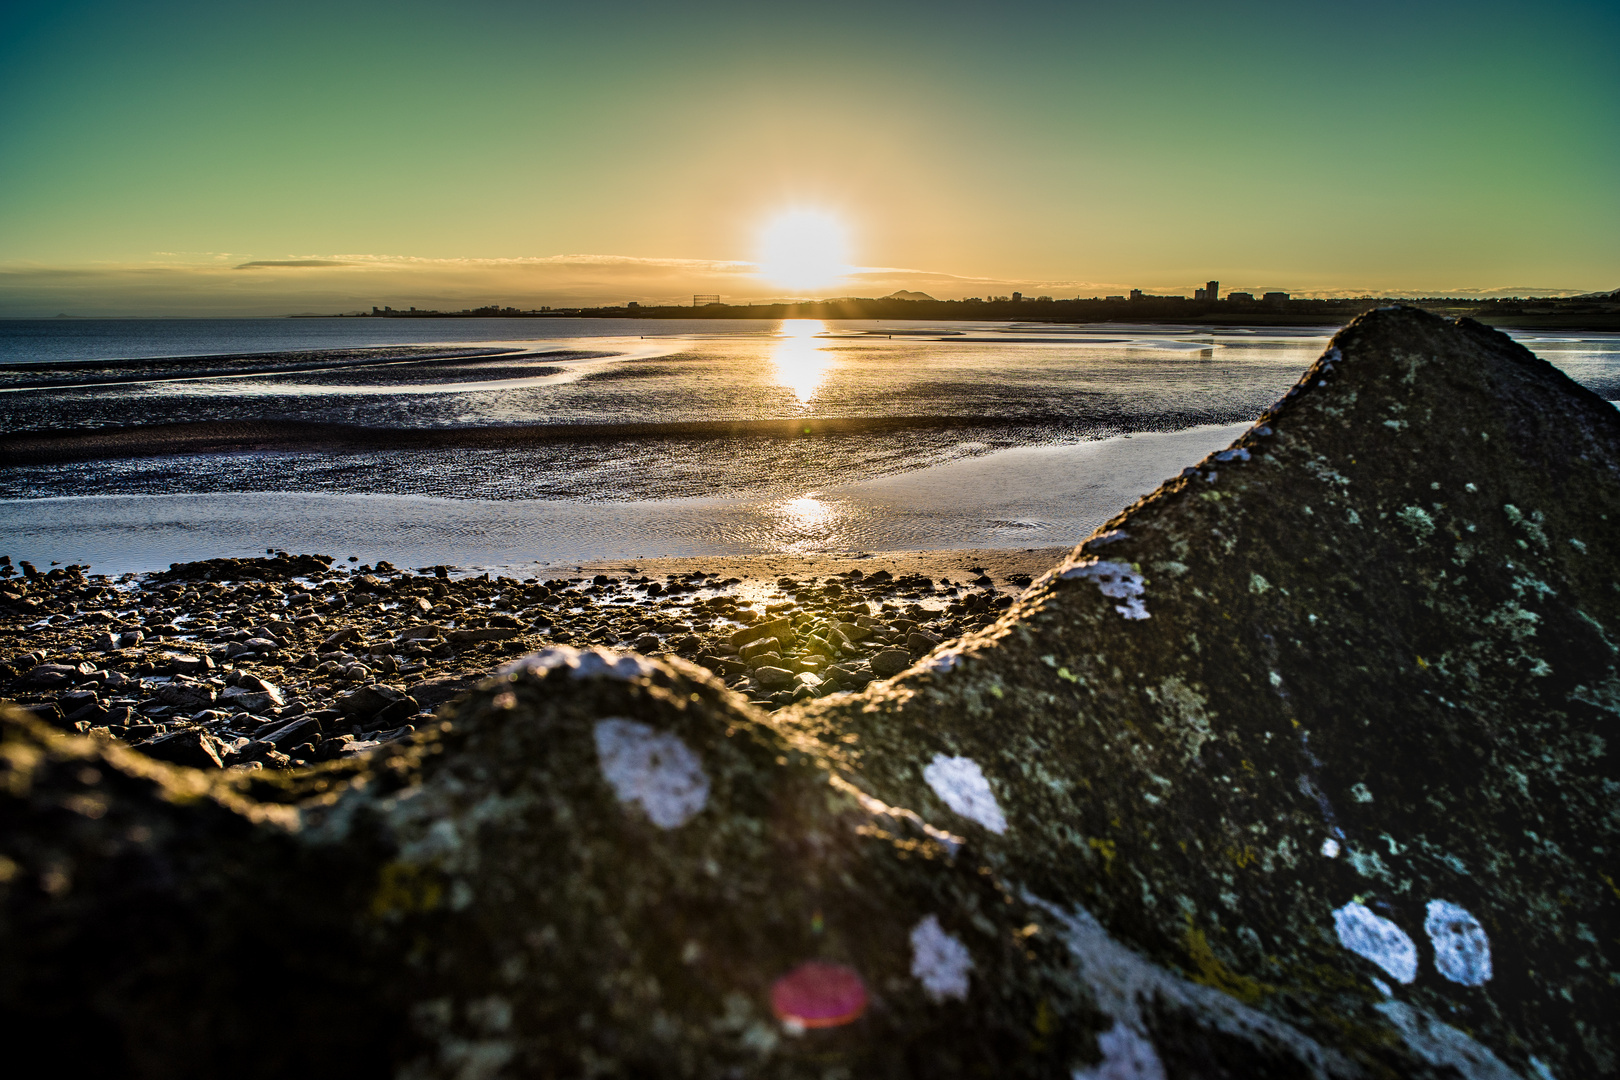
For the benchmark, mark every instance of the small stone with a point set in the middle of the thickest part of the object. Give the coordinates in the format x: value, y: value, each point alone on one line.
x: 289, y: 734
x: 890, y: 662
x: 760, y: 647
x: 332, y: 641
x: 368, y: 701
x: 773, y: 678
x: 185, y: 696
x: 920, y: 644
x: 196, y: 749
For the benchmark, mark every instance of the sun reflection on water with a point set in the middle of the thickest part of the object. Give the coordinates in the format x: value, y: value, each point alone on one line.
x: 801, y: 362
x: 806, y: 512
x: 805, y: 524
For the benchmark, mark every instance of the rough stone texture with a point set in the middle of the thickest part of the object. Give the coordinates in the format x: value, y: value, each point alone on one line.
x: 1383, y: 623
x: 1350, y: 682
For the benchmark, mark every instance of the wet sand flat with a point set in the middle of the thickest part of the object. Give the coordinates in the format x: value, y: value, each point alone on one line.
x: 1039, y: 497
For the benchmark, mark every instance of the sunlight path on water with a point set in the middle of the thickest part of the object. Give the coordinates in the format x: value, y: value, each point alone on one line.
x: 802, y: 361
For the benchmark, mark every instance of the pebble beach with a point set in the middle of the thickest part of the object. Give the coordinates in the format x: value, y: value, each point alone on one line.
x: 285, y: 660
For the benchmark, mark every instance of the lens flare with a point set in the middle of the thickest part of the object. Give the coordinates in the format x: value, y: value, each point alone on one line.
x: 804, y: 249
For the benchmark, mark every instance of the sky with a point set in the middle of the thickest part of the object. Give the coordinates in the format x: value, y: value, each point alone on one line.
x: 175, y: 158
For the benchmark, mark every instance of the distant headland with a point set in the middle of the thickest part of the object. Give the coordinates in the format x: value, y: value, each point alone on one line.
x: 1596, y: 311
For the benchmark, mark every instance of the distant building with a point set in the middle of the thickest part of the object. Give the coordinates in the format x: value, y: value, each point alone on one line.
x: 1136, y: 294
x: 1240, y: 298
x: 1113, y: 298
x: 1274, y: 297
x: 1017, y: 296
x: 703, y: 299
x: 1211, y: 291
x: 632, y: 304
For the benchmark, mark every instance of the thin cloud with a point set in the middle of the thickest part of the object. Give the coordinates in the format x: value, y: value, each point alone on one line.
x: 257, y: 263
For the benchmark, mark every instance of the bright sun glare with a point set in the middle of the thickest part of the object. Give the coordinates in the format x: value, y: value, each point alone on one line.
x: 804, y: 249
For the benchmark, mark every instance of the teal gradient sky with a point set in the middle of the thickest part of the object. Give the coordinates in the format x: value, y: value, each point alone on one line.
x: 455, y: 152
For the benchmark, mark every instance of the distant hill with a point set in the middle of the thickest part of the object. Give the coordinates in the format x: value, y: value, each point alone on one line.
x: 903, y: 294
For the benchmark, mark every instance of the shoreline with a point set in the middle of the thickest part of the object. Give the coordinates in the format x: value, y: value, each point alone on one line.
x: 1013, y: 499
x: 1000, y: 564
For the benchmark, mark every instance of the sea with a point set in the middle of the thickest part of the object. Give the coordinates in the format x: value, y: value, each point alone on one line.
x: 643, y: 438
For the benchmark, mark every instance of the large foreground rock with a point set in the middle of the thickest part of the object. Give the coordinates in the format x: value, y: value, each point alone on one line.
x: 1300, y: 767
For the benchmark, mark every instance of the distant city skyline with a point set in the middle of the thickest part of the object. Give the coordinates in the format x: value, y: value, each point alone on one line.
x: 183, y: 158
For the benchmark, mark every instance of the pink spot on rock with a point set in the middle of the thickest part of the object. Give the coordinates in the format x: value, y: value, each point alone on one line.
x: 817, y: 994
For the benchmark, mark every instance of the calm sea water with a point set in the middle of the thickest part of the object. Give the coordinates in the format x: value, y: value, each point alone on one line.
x: 936, y: 393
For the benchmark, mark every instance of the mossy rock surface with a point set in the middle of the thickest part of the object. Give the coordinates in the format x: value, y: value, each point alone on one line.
x: 1299, y: 767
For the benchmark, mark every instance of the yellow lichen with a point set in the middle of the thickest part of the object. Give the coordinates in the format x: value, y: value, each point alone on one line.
x: 1212, y: 973
x: 404, y: 888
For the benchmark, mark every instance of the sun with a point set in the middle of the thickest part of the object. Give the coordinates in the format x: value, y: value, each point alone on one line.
x: 804, y: 249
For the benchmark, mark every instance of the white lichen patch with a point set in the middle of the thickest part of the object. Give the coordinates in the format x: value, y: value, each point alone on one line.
x: 1115, y: 580
x: 1377, y: 939
x: 1531, y: 523
x: 1127, y: 1055
x: 939, y: 961
x: 961, y: 784
x: 653, y: 768
x: 584, y: 663
x: 1368, y: 863
x: 1418, y: 520
x: 1462, y: 951
x: 1330, y: 848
